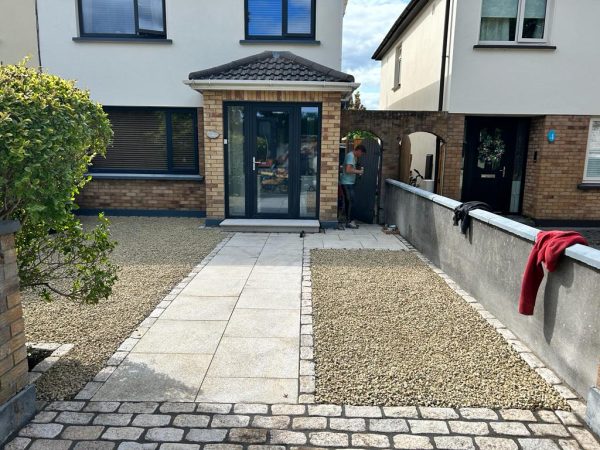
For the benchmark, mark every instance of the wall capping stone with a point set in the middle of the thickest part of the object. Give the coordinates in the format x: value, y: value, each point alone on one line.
x: 9, y: 226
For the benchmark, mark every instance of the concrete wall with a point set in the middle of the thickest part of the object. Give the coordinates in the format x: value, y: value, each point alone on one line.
x: 528, y: 81
x: 421, y: 63
x: 203, y: 33
x: 489, y: 264
x: 18, y: 32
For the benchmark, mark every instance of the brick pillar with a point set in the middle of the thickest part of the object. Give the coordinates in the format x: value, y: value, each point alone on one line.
x: 13, y: 354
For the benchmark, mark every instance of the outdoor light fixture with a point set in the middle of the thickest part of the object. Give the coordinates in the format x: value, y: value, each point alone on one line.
x: 212, y: 134
x: 551, y: 136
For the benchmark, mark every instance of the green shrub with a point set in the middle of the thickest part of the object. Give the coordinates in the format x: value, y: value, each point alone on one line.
x: 49, y: 133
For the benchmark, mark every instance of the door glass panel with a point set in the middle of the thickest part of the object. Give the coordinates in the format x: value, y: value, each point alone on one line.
x: 235, y: 161
x: 271, y: 162
x: 309, y: 159
x: 491, y: 149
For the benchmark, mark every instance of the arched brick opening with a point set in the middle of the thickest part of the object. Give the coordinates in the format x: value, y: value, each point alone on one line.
x: 392, y: 126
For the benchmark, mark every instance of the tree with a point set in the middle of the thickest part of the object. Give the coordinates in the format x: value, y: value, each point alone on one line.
x: 49, y: 133
x: 355, y: 102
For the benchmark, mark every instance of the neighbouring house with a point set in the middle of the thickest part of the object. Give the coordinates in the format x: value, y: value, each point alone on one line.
x: 226, y: 109
x: 523, y: 75
x: 18, y: 32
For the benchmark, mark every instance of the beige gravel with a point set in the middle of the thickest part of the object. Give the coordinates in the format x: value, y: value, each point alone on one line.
x: 153, y: 255
x: 389, y: 331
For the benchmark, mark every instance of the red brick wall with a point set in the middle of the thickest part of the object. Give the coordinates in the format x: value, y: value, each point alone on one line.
x: 551, y: 191
x: 149, y: 194
x: 13, y: 353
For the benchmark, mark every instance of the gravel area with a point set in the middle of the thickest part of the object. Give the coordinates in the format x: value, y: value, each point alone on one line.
x: 153, y: 255
x: 389, y: 331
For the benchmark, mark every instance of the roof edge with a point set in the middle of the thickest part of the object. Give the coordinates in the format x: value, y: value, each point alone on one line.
x: 406, y: 17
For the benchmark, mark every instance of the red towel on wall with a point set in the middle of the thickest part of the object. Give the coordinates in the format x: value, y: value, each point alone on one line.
x: 549, y: 247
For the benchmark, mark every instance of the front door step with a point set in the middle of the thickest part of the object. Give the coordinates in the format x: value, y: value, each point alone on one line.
x: 270, y: 225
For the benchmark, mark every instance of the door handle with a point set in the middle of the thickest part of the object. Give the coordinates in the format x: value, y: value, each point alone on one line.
x: 504, y: 172
x: 254, y: 164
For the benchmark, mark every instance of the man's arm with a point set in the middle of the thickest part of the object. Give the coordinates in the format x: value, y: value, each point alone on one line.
x: 350, y: 169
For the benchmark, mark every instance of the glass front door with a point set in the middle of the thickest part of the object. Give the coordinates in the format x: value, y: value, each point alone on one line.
x: 272, y: 160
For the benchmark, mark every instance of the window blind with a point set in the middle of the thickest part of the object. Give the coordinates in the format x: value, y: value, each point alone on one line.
x: 299, y: 16
x: 108, y: 16
x: 265, y: 17
x: 183, y: 140
x: 593, y: 161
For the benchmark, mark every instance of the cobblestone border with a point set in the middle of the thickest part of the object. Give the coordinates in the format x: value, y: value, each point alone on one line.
x: 307, y: 364
x: 90, y: 389
x: 137, y: 425
x: 58, y: 351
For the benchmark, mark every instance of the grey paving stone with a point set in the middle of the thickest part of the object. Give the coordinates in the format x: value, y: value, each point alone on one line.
x: 510, y: 428
x: 248, y: 435
x: 520, y: 415
x: 287, y: 437
x: 266, y: 447
x: 200, y: 435
x: 544, y: 429
x: 65, y: 406
x: 568, y: 418
x: 114, y: 419
x: 548, y: 375
x: 370, y: 440
x: 538, y: 444
x: 548, y: 416
x: 173, y: 446
x: 231, y: 421
x: 454, y: 442
x: 222, y: 447
x: 288, y: 410
x: 307, y: 367
x: 328, y: 439
x: 47, y: 444
x: 388, y: 425
x: 215, y: 408
x: 273, y: 422
x: 438, y: 413
x: 585, y: 438
x: 264, y: 390
x: 470, y: 428
x: 41, y: 430
x: 428, y: 427
x: 177, y: 407
x: 324, y: 410
x: 44, y: 417
x: 569, y: 444
x: 137, y: 446
x: 347, y: 424
x: 191, y: 421
x: 18, y: 443
x: 410, y: 441
x: 71, y: 417
x: 151, y: 420
x: 94, y: 445
x: 307, y: 384
x: 102, y: 407
x: 82, y: 432
x: 164, y: 434
x: 362, y: 411
x: 138, y: 407
x: 478, y: 414
x: 122, y: 433
x: 250, y: 408
x: 493, y: 443
x: 309, y: 423
x: 409, y: 412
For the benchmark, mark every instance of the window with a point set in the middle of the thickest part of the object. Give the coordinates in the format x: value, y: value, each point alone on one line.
x: 398, y: 68
x: 280, y: 19
x: 151, y: 140
x: 122, y: 18
x: 592, y: 162
x: 518, y: 21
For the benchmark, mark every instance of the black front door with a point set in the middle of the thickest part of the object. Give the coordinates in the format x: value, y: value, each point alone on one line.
x: 493, y: 167
x: 272, y: 153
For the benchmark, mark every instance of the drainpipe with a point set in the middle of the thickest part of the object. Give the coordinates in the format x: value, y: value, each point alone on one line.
x: 444, y: 56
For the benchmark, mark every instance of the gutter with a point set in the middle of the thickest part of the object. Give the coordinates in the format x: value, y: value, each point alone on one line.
x: 444, y: 57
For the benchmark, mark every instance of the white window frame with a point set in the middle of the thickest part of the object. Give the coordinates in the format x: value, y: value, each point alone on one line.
x: 589, y: 149
x: 397, y: 67
x: 519, y: 31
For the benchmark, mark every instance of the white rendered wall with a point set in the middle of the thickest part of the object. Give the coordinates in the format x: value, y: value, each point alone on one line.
x: 204, y: 34
x: 421, y: 63
x: 529, y: 82
x: 18, y: 33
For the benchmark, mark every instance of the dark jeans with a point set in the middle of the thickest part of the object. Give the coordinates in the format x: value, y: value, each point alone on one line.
x: 348, y: 191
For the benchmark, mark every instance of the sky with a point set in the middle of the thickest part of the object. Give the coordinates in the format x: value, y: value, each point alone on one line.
x: 365, y: 25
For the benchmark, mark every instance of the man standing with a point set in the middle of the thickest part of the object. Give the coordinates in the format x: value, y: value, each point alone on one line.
x: 348, y: 180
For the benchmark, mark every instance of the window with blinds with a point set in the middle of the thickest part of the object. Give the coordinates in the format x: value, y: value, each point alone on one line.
x: 122, y: 18
x: 592, y: 163
x: 280, y: 19
x: 518, y: 21
x: 151, y: 141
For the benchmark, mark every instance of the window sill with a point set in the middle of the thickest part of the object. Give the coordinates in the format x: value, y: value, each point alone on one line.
x: 282, y: 41
x: 588, y: 186
x: 517, y: 46
x: 144, y: 176
x: 126, y: 40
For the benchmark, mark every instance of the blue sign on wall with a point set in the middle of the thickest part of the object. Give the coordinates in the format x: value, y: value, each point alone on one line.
x: 551, y: 136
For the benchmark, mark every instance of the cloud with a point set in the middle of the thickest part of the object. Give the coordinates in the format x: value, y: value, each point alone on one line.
x: 365, y: 25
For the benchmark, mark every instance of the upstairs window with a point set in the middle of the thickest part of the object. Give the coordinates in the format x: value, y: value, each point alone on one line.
x: 514, y: 21
x: 280, y: 19
x: 122, y: 18
x: 592, y: 161
x: 398, y: 68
